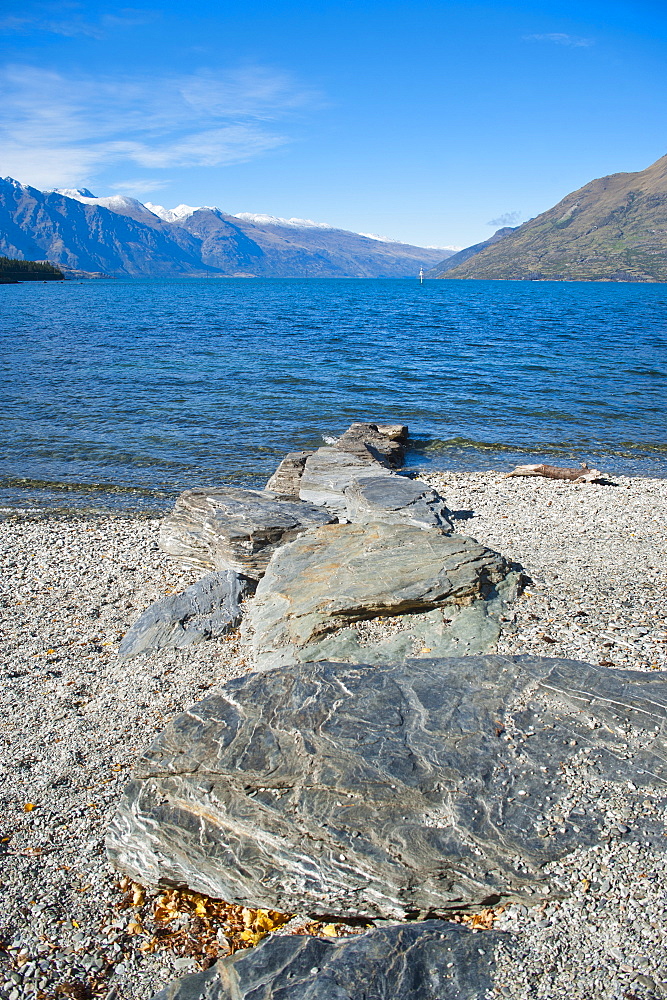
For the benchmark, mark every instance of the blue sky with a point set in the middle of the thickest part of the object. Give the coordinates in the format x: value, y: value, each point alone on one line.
x: 433, y: 123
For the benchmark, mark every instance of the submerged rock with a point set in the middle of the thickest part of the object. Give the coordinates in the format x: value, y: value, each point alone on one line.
x: 342, y: 573
x: 417, y: 961
x: 387, y: 790
x: 233, y: 528
x: 207, y: 609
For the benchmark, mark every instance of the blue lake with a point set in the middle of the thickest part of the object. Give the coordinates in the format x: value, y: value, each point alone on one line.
x: 120, y: 394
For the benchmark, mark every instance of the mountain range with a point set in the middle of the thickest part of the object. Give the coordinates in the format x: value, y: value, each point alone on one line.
x: 122, y: 237
x: 612, y: 229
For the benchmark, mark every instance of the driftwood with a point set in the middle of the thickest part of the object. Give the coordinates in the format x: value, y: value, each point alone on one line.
x: 582, y: 475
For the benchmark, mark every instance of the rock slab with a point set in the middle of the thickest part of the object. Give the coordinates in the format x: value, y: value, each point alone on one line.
x: 387, y: 443
x: 207, y: 609
x: 388, y: 790
x: 342, y: 573
x: 233, y: 528
x: 286, y: 480
x: 419, y: 961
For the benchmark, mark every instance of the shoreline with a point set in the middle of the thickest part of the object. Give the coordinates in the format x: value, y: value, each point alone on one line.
x: 74, y: 719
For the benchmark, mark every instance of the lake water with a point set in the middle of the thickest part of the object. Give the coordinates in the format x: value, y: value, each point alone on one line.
x: 120, y: 394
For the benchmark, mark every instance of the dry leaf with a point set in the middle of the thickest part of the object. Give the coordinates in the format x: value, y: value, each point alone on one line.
x: 29, y: 806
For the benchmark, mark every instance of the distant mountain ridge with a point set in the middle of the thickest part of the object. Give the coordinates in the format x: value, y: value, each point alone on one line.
x: 463, y: 255
x: 612, y: 229
x: 121, y: 236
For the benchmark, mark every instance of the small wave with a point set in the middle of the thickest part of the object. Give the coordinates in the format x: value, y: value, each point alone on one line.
x: 25, y: 483
x: 328, y: 439
x: 622, y: 449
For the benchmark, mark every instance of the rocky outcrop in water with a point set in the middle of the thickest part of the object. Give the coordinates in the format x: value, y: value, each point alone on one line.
x: 387, y: 443
x: 384, y: 791
x: 410, y: 962
x: 233, y: 528
x: 206, y: 610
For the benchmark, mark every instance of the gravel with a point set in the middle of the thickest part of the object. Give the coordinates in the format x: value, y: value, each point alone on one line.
x: 74, y: 718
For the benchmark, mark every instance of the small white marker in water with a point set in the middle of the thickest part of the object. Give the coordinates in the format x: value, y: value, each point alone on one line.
x: 421, y: 275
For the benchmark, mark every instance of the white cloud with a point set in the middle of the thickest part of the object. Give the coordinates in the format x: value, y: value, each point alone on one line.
x: 137, y: 188
x: 126, y: 17
x: 560, y: 38
x: 202, y: 119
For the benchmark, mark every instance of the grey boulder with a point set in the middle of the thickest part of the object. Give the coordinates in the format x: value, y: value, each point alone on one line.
x: 418, y: 961
x: 207, y: 609
x: 343, y: 573
x: 395, y: 500
x: 388, y: 790
x: 356, y: 487
x: 328, y: 472
x: 232, y: 528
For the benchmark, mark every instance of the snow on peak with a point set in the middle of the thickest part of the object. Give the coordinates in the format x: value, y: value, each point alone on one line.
x: 380, y: 239
x: 173, y: 214
x: 274, y: 220
x: 77, y: 193
x: 118, y: 203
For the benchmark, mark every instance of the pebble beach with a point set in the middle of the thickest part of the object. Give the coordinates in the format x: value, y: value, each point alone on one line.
x: 74, y: 718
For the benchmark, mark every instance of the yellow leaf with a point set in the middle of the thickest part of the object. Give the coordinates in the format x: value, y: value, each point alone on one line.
x: 29, y: 806
x: 200, y: 908
x: 138, y: 895
x: 75, y: 923
x: 252, y: 937
x: 330, y: 930
x: 134, y: 927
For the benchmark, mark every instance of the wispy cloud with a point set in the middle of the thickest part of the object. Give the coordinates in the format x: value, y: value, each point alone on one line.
x: 75, y: 24
x: 202, y: 119
x: 560, y: 38
x: 140, y: 187
x: 507, y: 219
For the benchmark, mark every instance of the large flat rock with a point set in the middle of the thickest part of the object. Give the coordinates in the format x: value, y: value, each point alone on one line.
x: 328, y: 472
x: 356, y: 487
x: 387, y: 790
x: 233, y: 528
x: 395, y: 500
x: 342, y: 573
x: 419, y: 961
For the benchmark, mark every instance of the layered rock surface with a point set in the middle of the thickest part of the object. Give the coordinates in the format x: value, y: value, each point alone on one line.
x: 343, y: 573
x: 410, y: 962
x: 286, y: 480
x: 233, y: 528
x: 383, y: 791
x: 207, y: 609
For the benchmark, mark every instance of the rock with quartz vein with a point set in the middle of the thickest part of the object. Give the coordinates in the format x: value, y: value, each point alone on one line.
x: 381, y: 791
x: 417, y: 961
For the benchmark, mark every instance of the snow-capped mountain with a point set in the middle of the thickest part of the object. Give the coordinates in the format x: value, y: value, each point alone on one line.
x: 122, y: 236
